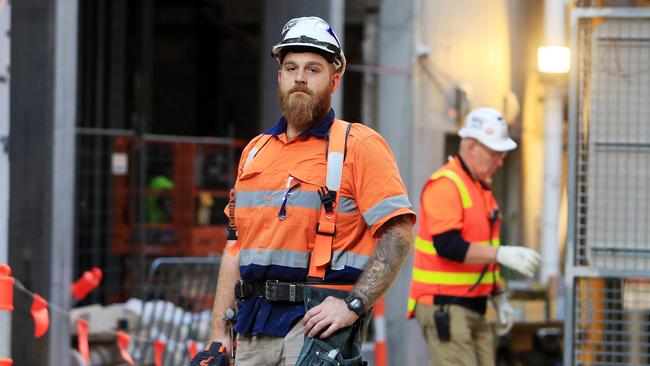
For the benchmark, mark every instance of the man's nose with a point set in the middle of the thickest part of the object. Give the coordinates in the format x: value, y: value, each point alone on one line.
x: 300, y: 77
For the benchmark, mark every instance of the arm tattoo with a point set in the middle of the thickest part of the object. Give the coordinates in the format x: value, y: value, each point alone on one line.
x: 392, y: 248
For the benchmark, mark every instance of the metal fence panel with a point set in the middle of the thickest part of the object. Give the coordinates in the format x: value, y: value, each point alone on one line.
x: 176, y: 308
x: 608, y: 264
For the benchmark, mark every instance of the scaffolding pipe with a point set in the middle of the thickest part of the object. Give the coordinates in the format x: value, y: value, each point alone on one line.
x: 5, y: 26
x: 553, y: 116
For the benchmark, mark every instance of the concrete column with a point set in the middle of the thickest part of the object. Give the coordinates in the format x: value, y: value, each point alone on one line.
x: 5, y: 26
x: 553, y: 118
x: 43, y: 116
x: 396, y: 124
x: 276, y: 14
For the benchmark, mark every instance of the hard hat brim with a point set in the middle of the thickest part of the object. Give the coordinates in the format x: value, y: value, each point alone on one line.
x: 501, y: 145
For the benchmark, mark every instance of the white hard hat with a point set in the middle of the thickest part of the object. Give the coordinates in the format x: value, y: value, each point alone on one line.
x: 311, y: 32
x: 489, y: 127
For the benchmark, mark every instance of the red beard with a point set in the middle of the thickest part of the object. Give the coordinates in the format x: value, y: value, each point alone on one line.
x: 303, y: 110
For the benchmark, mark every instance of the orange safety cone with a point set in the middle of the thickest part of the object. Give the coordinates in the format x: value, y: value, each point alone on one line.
x: 379, y: 323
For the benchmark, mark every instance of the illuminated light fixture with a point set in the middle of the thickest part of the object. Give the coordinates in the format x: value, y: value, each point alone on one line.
x: 554, y: 59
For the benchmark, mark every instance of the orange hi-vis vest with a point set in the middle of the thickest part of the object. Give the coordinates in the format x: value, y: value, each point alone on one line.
x: 435, y: 275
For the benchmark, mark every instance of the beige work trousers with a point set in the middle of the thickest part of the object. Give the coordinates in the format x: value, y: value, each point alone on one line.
x: 266, y: 350
x: 471, y: 337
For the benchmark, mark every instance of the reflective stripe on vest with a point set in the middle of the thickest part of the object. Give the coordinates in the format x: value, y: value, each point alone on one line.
x: 426, y: 246
x: 462, y: 189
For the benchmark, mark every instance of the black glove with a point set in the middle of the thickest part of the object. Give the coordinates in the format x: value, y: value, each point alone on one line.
x: 214, y: 356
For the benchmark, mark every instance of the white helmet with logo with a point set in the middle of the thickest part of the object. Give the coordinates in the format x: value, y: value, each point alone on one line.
x: 311, y: 32
x: 489, y: 127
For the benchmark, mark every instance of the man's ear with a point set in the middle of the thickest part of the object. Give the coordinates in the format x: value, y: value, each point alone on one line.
x: 279, y: 72
x: 336, y: 81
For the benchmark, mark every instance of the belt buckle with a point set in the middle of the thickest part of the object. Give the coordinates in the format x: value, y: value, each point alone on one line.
x: 268, y: 292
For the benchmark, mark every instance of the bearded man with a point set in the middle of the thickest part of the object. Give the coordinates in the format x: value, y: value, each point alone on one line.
x: 323, y: 219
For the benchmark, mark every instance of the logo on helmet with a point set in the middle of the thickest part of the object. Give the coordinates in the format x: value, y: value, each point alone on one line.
x: 290, y: 24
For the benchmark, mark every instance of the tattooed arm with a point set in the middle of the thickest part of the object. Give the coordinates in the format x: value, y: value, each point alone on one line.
x: 392, y: 248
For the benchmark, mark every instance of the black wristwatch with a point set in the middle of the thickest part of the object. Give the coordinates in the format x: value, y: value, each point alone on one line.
x: 355, y: 304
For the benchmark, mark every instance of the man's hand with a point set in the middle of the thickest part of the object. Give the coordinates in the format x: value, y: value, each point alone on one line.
x: 328, y: 317
x: 505, y: 314
x: 213, y: 355
x: 521, y: 259
x: 226, y: 344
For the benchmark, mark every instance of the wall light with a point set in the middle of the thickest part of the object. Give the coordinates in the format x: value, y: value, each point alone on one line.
x: 553, y: 59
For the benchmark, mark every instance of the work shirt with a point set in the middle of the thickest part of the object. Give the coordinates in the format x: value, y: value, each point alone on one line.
x: 278, y: 207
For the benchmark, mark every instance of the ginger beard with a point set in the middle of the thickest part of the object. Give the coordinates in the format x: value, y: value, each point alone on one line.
x: 303, y: 107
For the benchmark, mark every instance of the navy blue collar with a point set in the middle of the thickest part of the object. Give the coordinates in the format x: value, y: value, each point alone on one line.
x: 319, y: 130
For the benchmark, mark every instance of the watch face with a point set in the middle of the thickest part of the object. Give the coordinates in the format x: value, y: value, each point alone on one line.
x: 355, y: 304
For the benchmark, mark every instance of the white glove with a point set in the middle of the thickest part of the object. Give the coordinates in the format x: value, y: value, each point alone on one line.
x: 521, y: 259
x: 505, y: 314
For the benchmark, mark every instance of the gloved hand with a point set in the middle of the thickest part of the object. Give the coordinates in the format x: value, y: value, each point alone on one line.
x: 521, y: 259
x: 213, y: 356
x: 505, y: 313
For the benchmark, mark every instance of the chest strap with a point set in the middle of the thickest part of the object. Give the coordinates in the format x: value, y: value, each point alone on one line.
x: 321, y: 249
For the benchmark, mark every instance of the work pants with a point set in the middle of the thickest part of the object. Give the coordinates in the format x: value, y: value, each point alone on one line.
x: 264, y: 350
x: 471, y: 337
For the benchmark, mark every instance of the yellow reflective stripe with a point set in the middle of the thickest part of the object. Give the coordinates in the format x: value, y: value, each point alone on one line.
x: 427, y: 247
x: 464, y: 194
x: 494, y: 242
x: 411, y: 304
x: 424, y: 246
x: 452, y: 278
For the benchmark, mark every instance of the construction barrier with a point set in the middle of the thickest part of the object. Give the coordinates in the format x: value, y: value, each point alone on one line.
x: 6, y: 307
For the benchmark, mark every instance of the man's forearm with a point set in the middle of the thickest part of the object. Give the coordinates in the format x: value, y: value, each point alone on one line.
x: 480, y: 254
x: 225, y: 295
x: 392, y: 248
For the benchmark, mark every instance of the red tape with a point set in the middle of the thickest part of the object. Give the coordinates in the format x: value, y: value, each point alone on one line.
x: 192, y: 349
x: 123, y: 341
x: 88, y: 281
x: 158, y: 351
x: 82, y: 340
x: 41, y: 316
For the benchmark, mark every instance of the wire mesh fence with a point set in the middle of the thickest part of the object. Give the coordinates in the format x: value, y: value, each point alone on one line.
x: 176, y: 308
x: 612, y: 321
x: 608, y: 271
x: 149, y: 196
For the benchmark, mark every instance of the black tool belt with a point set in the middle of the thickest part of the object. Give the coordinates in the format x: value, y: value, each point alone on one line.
x: 273, y: 290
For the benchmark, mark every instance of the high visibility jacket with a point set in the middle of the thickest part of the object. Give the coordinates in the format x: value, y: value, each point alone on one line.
x: 278, y: 206
x: 471, y: 204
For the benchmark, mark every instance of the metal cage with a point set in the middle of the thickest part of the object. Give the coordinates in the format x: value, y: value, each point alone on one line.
x: 608, y: 263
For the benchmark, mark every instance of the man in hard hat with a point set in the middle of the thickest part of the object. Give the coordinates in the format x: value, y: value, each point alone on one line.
x: 458, y: 252
x: 320, y: 210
